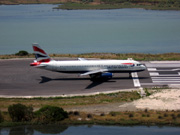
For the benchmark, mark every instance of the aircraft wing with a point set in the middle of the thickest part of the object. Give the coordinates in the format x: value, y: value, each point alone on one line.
x: 94, y: 72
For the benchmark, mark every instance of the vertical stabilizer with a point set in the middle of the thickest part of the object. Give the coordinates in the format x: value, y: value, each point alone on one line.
x: 40, y: 54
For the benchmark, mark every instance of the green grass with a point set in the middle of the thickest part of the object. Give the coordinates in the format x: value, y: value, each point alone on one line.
x: 128, y: 118
x: 119, y: 97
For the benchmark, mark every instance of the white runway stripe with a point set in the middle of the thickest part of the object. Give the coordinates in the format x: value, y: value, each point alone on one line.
x: 135, y: 79
x: 165, y: 77
x: 151, y: 69
x: 166, y: 81
x: 168, y: 75
x: 156, y: 70
x: 154, y: 73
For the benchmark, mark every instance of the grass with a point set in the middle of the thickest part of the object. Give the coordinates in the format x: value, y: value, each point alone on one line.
x: 126, y: 118
x: 121, y: 118
x: 146, y: 117
x: 64, y: 102
x: 135, y: 56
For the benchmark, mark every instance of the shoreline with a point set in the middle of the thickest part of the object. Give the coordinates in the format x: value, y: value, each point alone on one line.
x: 79, y: 5
x: 89, y: 6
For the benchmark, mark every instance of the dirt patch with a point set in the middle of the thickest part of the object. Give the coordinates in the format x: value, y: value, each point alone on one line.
x: 168, y: 99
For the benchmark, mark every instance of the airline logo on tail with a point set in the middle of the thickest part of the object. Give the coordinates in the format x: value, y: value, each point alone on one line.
x: 40, y: 54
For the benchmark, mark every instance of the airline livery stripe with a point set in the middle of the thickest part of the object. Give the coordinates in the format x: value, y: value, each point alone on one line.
x: 127, y: 63
x: 38, y: 49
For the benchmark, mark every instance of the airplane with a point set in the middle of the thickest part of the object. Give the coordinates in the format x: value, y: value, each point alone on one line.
x: 96, y: 69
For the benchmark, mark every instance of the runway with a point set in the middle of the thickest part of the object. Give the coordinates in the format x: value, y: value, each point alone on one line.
x: 17, y: 78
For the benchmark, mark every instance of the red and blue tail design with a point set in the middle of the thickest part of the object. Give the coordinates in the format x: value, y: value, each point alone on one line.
x: 40, y: 55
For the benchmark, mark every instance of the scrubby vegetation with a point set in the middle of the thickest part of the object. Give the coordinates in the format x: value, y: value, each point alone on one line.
x: 119, y: 97
x: 48, y: 114
x: 1, y: 117
x: 135, y: 56
x: 19, y: 112
x: 22, y: 53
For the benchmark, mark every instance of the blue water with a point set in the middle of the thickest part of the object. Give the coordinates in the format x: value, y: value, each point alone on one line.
x: 86, y: 31
x: 90, y: 130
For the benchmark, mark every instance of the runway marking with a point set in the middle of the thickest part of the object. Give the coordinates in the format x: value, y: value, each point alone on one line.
x: 159, y: 78
x: 151, y: 69
x: 165, y: 77
x: 166, y: 81
x: 169, y: 75
x: 176, y: 69
x: 135, y: 79
x: 156, y: 70
x: 154, y: 73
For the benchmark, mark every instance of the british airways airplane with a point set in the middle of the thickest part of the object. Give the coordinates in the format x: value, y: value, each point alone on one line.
x: 96, y: 69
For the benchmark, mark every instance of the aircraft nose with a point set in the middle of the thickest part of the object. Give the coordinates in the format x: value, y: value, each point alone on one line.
x: 143, y: 67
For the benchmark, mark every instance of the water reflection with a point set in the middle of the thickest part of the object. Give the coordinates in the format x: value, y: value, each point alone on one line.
x: 23, y: 130
x: 33, y: 130
x: 51, y: 129
x: 89, y: 130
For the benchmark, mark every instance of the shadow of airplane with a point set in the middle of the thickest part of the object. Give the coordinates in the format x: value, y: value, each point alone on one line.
x: 47, y: 79
x: 96, y: 83
x: 92, y: 85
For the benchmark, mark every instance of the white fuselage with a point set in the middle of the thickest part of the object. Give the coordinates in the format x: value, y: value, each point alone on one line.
x: 113, y: 66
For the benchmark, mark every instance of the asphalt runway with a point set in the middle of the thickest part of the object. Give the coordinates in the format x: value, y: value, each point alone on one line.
x: 17, y: 78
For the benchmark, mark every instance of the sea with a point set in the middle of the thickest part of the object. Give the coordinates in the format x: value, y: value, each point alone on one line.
x: 88, y: 31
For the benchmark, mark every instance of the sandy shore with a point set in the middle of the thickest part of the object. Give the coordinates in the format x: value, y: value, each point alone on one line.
x: 166, y: 99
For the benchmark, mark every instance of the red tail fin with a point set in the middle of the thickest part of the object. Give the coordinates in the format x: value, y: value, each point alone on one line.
x: 40, y: 54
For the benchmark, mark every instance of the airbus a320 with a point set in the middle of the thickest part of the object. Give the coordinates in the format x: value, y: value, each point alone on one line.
x: 96, y: 69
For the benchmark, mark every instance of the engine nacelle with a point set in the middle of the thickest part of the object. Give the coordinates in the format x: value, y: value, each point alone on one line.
x: 101, y: 77
x: 107, y: 75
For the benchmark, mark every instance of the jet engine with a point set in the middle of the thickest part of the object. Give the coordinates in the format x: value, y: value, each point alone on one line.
x: 107, y: 75
x: 101, y: 76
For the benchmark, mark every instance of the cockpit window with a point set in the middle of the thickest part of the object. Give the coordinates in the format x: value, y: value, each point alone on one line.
x: 139, y: 64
